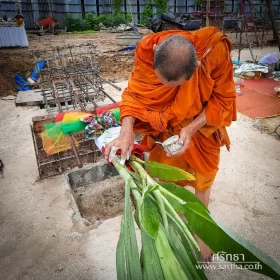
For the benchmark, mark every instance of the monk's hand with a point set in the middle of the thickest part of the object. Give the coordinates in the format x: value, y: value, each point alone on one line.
x: 124, y: 142
x: 185, y: 138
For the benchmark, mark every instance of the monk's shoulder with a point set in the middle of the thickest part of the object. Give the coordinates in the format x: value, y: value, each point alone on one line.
x: 218, y: 55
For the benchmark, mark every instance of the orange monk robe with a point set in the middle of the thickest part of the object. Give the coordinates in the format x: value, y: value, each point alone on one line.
x: 162, y: 111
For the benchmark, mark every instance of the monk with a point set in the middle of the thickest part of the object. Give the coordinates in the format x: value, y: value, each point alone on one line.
x: 181, y: 84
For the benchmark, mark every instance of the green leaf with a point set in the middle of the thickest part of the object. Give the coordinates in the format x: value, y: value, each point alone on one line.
x: 149, y: 217
x: 167, y: 172
x: 134, y: 175
x: 171, y: 267
x: 220, y: 239
x: 132, y: 260
x: 182, y: 193
x: 120, y: 255
x: 193, y: 254
x: 149, y: 258
x: 182, y: 256
x: 148, y: 190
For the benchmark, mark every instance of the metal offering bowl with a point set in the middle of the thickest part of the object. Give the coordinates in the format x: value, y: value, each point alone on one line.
x: 172, y: 145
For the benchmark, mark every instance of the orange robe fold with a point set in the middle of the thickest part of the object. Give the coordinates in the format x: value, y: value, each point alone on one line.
x: 163, y: 111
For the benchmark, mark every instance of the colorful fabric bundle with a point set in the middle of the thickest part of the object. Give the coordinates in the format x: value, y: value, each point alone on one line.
x: 97, y: 125
x: 55, y: 138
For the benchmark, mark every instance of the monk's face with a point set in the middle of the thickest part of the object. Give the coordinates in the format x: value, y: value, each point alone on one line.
x: 176, y: 83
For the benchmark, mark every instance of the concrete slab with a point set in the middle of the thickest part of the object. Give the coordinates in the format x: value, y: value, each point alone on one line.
x: 9, y: 97
x: 29, y: 98
x: 113, y: 92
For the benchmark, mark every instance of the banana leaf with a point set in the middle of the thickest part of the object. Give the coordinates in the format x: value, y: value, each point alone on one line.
x: 149, y: 217
x: 167, y: 172
x: 193, y: 254
x: 149, y: 259
x: 182, y: 256
x: 182, y: 193
x: 132, y: 260
x: 120, y: 254
x: 169, y: 252
x: 171, y: 267
x: 222, y: 240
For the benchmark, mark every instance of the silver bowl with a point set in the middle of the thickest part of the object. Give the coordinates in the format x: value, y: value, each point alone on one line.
x: 172, y: 144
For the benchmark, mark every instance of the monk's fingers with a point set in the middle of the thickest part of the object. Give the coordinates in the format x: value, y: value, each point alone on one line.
x: 130, y: 150
x: 182, y: 150
x: 182, y: 140
x: 109, y: 151
x: 186, y: 144
x: 126, y: 149
x: 113, y: 153
x: 125, y: 155
x: 108, y: 147
x: 207, y: 260
x: 176, y: 154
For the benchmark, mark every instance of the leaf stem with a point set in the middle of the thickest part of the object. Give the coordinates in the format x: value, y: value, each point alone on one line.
x: 170, y: 194
x: 127, y: 177
x: 179, y: 220
x: 150, y: 182
x: 137, y: 159
x: 159, y: 197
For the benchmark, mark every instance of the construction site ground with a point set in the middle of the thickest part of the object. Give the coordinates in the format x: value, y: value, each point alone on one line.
x: 39, y: 239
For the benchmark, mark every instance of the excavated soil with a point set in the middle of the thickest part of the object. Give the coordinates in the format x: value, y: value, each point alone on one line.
x: 113, y: 66
x: 101, y: 200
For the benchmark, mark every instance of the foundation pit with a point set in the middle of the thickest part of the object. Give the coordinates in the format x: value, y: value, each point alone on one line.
x: 98, y: 192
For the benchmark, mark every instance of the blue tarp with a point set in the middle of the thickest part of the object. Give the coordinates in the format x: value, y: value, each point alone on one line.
x: 22, y: 83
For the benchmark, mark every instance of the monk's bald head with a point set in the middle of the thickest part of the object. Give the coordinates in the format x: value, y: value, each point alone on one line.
x: 175, y: 58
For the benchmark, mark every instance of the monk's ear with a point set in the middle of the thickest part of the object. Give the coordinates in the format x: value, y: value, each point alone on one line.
x: 198, y: 63
x: 154, y: 47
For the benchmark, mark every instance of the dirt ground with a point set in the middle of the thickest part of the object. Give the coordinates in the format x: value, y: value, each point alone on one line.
x: 20, y: 60
x: 42, y: 239
x: 115, y: 67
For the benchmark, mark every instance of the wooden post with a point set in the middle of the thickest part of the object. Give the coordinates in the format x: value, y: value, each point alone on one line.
x: 273, y: 22
x: 207, y: 12
x: 50, y: 7
x: 83, y: 8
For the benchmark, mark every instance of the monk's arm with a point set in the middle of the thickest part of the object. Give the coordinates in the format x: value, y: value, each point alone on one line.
x: 127, y: 126
x: 196, y: 124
